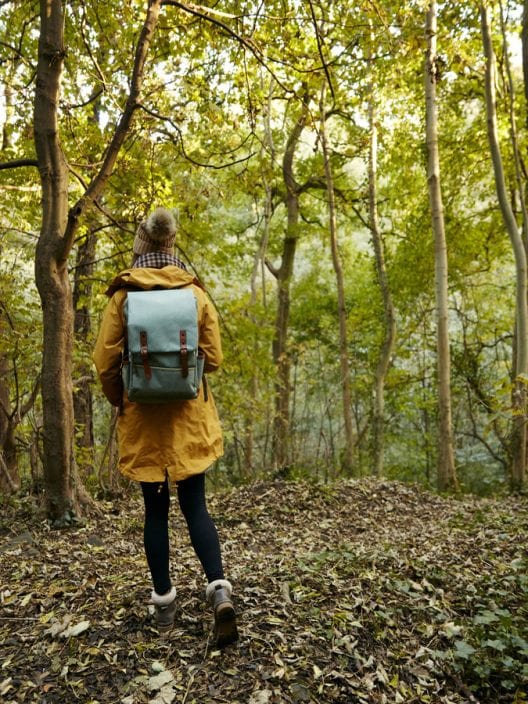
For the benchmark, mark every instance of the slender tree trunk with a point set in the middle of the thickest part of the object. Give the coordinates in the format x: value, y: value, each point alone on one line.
x: 280, y: 352
x: 12, y: 408
x: 82, y: 398
x: 348, y: 458
x: 389, y: 317
x: 517, y: 161
x: 268, y: 150
x: 253, y: 391
x: 524, y: 38
x: 9, y: 474
x: 518, y: 469
x: 446, y: 474
x: 9, y: 110
x: 55, y: 242
x: 283, y: 275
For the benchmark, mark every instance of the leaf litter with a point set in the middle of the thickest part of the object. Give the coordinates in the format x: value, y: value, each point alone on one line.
x: 364, y: 591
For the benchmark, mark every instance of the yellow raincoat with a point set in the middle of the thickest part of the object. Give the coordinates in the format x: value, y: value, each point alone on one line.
x: 176, y: 439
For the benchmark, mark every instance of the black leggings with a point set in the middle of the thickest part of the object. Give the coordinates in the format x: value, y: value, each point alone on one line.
x: 202, y: 530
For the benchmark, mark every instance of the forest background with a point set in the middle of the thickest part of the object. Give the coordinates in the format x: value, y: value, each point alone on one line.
x: 350, y: 181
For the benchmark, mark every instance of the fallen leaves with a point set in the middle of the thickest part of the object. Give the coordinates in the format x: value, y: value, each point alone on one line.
x: 367, y: 591
x: 66, y: 629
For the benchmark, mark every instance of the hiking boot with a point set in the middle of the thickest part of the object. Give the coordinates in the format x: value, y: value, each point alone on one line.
x: 165, y: 609
x: 218, y: 594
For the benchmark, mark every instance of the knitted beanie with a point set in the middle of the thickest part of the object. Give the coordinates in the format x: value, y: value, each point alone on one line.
x: 156, y: 234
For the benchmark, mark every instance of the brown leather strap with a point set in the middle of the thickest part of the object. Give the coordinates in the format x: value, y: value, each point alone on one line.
x: 143, y: 351
x: 184, y: 353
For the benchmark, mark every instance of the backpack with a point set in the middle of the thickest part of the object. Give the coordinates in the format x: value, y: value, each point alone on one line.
x: 162, y: 361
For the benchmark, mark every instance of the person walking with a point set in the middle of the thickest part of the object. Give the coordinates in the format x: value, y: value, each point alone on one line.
x: 168, y: 442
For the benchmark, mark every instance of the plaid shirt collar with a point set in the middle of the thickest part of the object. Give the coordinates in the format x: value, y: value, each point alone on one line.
x: 157, y: 260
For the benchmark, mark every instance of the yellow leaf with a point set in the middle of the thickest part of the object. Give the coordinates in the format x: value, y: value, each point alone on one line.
x: 46, y: 618
x: 317, y: 672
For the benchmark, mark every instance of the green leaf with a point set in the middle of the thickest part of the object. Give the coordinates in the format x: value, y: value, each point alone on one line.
x: 485, y: 617
x: 464, y: 650
x: 496, y: 644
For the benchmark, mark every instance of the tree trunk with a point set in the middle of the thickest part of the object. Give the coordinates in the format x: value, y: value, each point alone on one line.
x: 82, y: 398
x: 283, y: 275
x: 389, y: 318
x: 51, y: 270
x: 55, y: 241
x: 9, y: 110
x: 348, y: 458
x: 253, y: 388
x: 9, y: 473
x: 446, y: 474
x: 524, y: 38
x: 518, y: 468
x: 522, y: 183
x: 259, y: 268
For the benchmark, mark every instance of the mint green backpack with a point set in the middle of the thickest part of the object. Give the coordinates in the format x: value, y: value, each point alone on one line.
x: 162, y: 361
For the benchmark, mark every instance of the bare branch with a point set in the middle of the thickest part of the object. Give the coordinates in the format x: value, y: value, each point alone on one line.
x: 28, y: 405
x: 272, y: 269
x: 122, y: 130
x: 18, y: 163
x: 91, y: 99
x: 189, y: 158
x: 5, y: 472
x: 213, y: 11
x: 320, y: 49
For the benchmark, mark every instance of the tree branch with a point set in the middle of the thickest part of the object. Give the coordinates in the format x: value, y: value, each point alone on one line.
x: 272, y: 269
x: 91, y: 99
x: 28, y: 405
x: 200, y: 12
x: 122, y: 130
x: 189, y: 158
x: 5, y: 472
x: 320, y: 49
x: 18, y: 163
x: 287, y: 162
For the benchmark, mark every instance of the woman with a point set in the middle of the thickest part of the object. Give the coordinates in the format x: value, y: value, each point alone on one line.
x: 170, y: 442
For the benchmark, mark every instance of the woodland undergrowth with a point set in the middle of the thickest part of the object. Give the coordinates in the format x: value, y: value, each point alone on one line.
x: 364, y: 591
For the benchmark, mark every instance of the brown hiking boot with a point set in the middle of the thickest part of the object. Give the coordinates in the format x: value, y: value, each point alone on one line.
x: 165, y: 610
x: 218, y: 594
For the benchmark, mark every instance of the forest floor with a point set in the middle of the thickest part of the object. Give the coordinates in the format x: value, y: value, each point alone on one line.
x: 366, y: 591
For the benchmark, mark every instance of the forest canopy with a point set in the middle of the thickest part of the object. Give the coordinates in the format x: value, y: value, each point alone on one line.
x: 369, y: 326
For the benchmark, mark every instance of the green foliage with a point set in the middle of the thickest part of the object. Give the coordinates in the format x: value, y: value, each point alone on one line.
x: 494, y: 647
x: 208, y: 139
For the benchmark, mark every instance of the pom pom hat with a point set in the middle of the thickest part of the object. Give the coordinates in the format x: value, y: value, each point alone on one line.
x: 156, y: 234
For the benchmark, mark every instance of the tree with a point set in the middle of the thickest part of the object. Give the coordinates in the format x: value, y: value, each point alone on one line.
x: 214, y: 136
x: 348, y: 456
x: 446, y: 475
x: 518, y: 469
x: 524, y: 37
x: 56, y: 238
x: 82, y: 396
x: 389, y: 318
x: 283, y: 275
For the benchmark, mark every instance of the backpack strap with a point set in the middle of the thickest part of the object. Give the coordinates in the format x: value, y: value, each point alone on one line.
x: 184, y: 353
x: 143, y: 351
